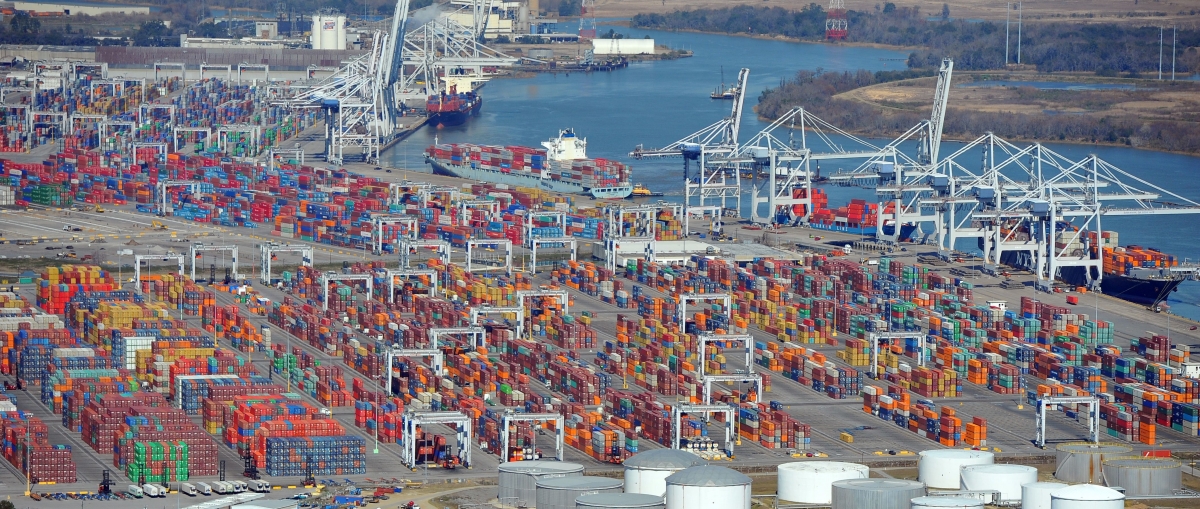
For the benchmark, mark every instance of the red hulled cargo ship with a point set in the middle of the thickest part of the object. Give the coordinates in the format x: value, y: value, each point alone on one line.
x: 450, y: 109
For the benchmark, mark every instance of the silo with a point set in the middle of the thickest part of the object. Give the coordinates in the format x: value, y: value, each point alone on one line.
x: 315, y: 37
x: 340, y: 33
x: 1007, y: 479
x: 876, y: 493
x: 329, y: 32
x: 940, y: 468
x: 946, y: 503
x: 1084, y: 462
x: 707, y: 486
x: 647, y: 472
x: 620, y: 501
x: 1036, y: 495
x: 518, y: 479
x: 811, y: 482
x: 1087, y: 496
x: 1144, y: 476
x: 561, y: 492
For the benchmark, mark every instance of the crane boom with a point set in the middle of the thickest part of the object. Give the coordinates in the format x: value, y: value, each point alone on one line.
x: 735, y: 117
x: 392, y: 55
x: 719, y: 137
x: 940, y: 97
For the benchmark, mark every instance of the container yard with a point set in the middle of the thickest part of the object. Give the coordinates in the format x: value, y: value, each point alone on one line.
x: 348, y: 325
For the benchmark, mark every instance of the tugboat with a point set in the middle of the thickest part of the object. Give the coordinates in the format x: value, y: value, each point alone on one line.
x: 640, y: 191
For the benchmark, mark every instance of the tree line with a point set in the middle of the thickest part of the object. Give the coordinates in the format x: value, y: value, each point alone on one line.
x: 1101, y: 48
x: 815, y: 90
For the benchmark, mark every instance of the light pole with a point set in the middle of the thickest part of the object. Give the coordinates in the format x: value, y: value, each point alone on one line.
x: 1020, y: 17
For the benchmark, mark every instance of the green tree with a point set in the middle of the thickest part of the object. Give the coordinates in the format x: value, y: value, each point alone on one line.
x: 889, y: 8
x: 570, y: 8
x: 6, y: 504
x: 945, y: 12
x: 210, y: 29
x: 151, y: 33
x: 23, y: 23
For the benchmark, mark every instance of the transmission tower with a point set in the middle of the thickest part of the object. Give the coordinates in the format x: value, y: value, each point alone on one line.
x: 836, y: 24
x: 587, y: 19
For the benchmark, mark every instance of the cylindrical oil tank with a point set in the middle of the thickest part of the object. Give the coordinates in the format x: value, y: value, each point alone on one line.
x: 518, y: 479
x: 1007, y: 479
x: 946, y: 503
x: 940, y: 468
x: 1144, y: 476
x: 876, y: 493
x: 1036, y: 495
x: 561, y: 492
x: 1083, y: 462
x: 1086, y: 496
x: 811, y: 482
x: 620, y: 501
x: 708, y: 486
x: 647, y: 472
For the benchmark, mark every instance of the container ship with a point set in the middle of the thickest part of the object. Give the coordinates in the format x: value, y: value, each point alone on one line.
x: 562, y: 167
x: 451, y: 109
x: 1132, y: 273
x: 858, y: 216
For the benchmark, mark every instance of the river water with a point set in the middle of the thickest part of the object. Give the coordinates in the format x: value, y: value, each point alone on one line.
x: 656, y: 103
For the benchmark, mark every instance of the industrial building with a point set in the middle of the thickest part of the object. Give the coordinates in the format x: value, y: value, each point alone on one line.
x: 623, y: 47
x: 77, y: 8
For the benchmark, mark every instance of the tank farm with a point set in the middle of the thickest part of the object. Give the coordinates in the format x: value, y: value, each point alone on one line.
x: 165, y: 377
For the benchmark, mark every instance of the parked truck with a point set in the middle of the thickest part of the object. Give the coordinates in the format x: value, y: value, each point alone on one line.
x: 239, y: 486
x: 259, y: 486
x: 223, y: 487
x: 204, y: 489
x: 188, y: 489
x: 134, y: 491
x: 153, y: 490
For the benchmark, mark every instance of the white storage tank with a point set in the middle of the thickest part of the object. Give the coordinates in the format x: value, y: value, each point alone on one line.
x: 620, y: 501
x: 1087, y: 496
x: 561, y: 492
x: 940, y: 468
x: 1144, y: 476
x: 811, y: 482
x: 518, y: 479
x: 876, y: 493
x: 1083, y: 462
x: 328, y: 31
x: 1007, y: 479
x: 946, y: 503
x: 647, y: 472
x: 707, y: 486
x: 1036, y: 495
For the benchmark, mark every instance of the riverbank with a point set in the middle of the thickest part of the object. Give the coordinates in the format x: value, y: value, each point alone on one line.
x: 1090, y: 11
x: 1145, y: 114
x: 771, y: 37
x: 574, y: 52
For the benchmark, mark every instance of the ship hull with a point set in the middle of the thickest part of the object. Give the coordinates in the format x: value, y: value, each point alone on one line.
x: 1149, y: 292
x: 455, y: 117
x: 516, y: 179
x: 1141, y: 291
x: 906, y: 231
